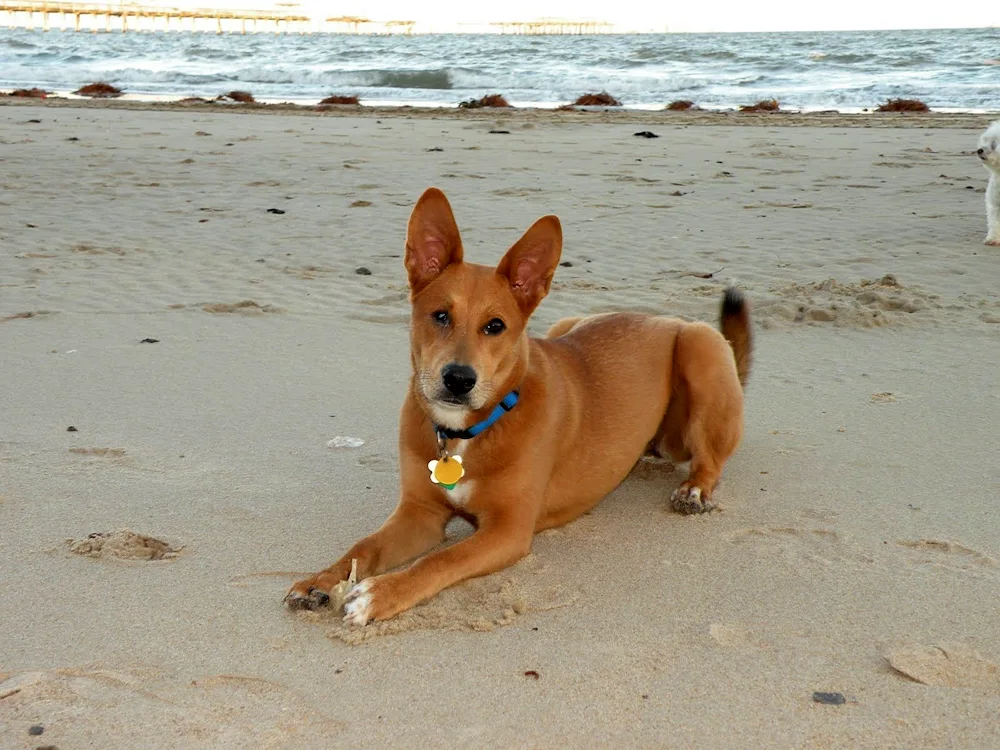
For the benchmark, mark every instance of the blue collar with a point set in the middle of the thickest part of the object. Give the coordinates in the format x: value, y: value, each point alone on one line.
x: 498, y: 411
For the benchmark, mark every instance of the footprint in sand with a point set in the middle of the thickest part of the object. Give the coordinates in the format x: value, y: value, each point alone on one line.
x: 867, y: 304
x: 819, y: 545
x: 397, y: 299
x: 127, y: 708
x: 246, y: 307
x: 398, y: 319
x: 93, y: 250
x: 733, y: 636
x: 636, y: 180
x: 950, y: 555
x: 819, y: 514
x: 123, y: 545
x: 515, y: 192
x: 306, y: 273
x: 379, y: 463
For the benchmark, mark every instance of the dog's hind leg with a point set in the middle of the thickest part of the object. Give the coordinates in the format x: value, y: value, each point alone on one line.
x: 704, y: 421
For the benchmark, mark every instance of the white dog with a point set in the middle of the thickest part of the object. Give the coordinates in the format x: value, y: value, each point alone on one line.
x: 989, y: 153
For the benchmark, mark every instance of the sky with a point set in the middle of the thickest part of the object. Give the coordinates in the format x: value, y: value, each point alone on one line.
x: 649, y: 15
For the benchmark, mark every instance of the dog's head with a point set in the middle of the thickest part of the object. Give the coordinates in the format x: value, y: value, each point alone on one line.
x: 467, y: 332
x: 989, y: 147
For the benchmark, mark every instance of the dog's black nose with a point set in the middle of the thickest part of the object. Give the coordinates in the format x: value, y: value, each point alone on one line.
x: 458, y: 379
x: 981, y: 151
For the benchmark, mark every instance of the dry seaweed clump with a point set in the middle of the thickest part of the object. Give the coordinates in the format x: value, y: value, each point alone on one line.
x: 603, y: 99
x: 681, y: 105
x: 241, y: 97
x: 99, y: 90
x: 903, y: 105
x: 29, y: 93
x: 490, y: 100
x: 336, y: 99
x: 764, y: 105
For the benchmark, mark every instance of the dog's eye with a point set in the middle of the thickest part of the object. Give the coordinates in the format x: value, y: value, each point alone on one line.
x: 494, y: 327
x: 441, y: 317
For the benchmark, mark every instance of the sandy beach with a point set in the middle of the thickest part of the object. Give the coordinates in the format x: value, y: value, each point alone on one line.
x: 195, y: 301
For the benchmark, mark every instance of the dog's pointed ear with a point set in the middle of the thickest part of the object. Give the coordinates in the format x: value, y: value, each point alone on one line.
x: 432, y: 239
x: 530, y: 264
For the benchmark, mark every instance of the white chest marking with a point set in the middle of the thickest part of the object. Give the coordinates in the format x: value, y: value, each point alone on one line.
x: 452, y: 417
x: 462, y: 492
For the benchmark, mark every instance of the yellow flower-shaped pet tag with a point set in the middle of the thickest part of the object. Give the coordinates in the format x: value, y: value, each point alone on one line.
x: 447, y: 471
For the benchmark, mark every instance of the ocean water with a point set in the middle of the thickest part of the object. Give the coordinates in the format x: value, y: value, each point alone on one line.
x: 956, y: 70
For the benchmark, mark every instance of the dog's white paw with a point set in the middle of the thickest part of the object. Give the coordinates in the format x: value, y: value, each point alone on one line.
x: 358, y: 607
x: 992, y: 242
x: 689, y: 500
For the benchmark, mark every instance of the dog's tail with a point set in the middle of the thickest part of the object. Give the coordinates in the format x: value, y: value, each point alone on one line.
x: 736, y: 328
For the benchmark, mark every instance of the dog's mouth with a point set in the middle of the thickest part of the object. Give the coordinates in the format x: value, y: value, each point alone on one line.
x: 437, y: 396
x: 449, y: 402
x: 440, y: 396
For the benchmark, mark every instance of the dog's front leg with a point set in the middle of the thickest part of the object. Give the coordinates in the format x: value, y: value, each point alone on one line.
x: 993, y: 211
x: 417, y: 525
x: 501, y: 540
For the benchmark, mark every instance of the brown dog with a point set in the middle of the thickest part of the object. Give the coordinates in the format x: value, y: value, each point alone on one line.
x: 559, y: 422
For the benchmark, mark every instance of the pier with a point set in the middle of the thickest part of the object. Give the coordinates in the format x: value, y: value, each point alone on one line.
x: 553, y: 26
x: 123, y: 13
x: 285, y: 17
x: 358, y: 25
